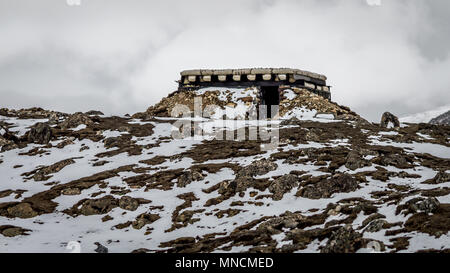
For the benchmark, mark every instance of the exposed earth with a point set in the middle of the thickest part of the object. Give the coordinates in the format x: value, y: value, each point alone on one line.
x: 335, y: 182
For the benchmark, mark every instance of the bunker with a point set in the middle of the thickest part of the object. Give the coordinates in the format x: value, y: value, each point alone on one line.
x: 269, y: 81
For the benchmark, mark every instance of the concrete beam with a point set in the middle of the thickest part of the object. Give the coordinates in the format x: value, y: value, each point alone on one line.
x: 223, y: 72
x: 244, y: 71
x: 261, y: 71
x: 254, y: 71
x: 207, y: 72
x: 194, y: 72
x: 292, y: 78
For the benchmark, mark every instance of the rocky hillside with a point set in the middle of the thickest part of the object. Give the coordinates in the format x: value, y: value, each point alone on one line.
x: 295, y: 102
x: 425, y: 117
x: 335, y: 183
x: 443, y: 119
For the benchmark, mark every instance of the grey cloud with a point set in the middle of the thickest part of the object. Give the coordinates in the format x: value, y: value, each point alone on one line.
x: 122, y: 56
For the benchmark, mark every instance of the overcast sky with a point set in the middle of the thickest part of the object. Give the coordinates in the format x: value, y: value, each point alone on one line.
x: 123, y: 56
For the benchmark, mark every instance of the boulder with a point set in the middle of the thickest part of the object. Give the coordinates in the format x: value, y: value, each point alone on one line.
x: 441, y: 177
x: 100, y: 248
x: 128, y: 203
x: 343, y: 240
x: 71, y: 191
x: 75, y: 120
x: 98, y: 206
x: 188, y: 177
x: 355, y: 161
x: 40, y: 133
x: 327, y: 187
x: 259, y: 167
x: 144, y: 219
x: 277, y: 224
x: 6, y: 144
x: 282, y: 185
x: 375, y: 225
x: 12, y: 231
x: 428, y: 205
x: 389, y: 118
x: 22, y: 210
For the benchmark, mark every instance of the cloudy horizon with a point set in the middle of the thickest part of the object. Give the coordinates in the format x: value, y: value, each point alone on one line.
x: 121, y: 57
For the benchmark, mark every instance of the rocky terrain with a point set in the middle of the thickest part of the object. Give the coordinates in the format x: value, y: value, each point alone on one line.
x: 335, y: 182
x: 443, y: 119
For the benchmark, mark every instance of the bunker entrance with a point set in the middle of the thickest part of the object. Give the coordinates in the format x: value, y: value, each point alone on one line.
x: 270, y: 97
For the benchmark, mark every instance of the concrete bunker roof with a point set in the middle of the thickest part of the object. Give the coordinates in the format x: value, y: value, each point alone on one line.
x: 252, y: 71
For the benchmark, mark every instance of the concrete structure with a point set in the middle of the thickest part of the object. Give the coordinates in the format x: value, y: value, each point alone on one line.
x: 269, y: 80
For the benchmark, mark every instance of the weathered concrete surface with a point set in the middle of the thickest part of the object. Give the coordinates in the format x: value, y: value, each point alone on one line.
x: 253, y: 71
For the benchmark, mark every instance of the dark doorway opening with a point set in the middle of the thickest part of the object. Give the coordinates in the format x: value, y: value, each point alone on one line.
x: 270, y: 96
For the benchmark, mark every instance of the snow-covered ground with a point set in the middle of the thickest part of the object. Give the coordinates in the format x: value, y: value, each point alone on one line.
x: 425, y: 117
x: 200, y: 189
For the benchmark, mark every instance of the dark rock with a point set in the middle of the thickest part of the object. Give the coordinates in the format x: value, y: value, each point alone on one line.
x: 111, y: 142
x: 100, y: 248
x: 75, y: 120
x: 355, y: 161
x: 313, y: 135
x: 391, y: 159
x: 13, y: 231
x: 71, y: 191
x: 344, y: 240
x: 327, y: 187
x: 277, y: 224
x: 64, y: 143
x: 128, y: 203
x: 389, y: 118
x: 419, y: 204
x: 428, y: 205
x: 40, y: 133
x: 140, y: 250
x: 6, y: 144
x: 94, y: 113
x: 43, y: 174
x: 98, y: 206
x: 22, y: 210
x: 375, y: 225
x: 282, y: 185
x: 259, y: 167
x: 291, y: 121
x: 441, y: 177
x: 188, y: 177
x: 144, y: 219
